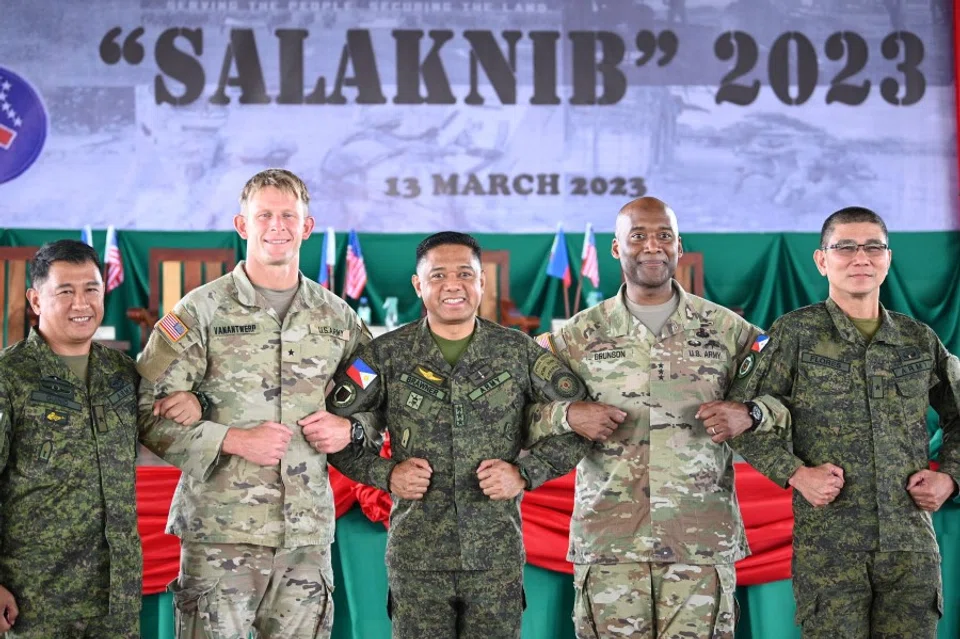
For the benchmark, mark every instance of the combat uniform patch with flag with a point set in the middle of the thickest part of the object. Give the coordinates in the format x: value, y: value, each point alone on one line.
x: 746, y: 366
x: 171, y: 327
x: 760, y: 343
x: 361, y: 373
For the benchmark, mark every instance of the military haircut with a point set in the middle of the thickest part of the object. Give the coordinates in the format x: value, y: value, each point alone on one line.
x: 850, y: 215
x: 445, y: 238
x: 280, y: 179
x: 71, y: 251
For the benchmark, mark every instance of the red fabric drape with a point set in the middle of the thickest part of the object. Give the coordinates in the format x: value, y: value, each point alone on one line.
x: 546, y: 519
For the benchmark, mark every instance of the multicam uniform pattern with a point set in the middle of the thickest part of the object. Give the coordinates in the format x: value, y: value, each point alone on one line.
x: 658, y: 491
x: 861, y: 406
x: 223, y: 340
x: 69, y: 548
x: 455, y: 417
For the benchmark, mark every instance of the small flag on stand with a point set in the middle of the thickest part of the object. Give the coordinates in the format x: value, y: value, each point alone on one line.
x: 356, y: 269
x: 589, y: 267
x: 113, y: 261
x: 328, y: 259
x: 559, y: 266
x: 86, y: 235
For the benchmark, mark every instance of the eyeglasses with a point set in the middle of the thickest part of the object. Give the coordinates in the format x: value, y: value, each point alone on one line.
x: 849, y: 249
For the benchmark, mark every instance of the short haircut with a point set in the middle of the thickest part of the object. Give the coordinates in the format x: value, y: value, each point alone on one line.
x: 71, y: 251
x: 280, y: 179
x: 444, y: 238
x: 850, y: 215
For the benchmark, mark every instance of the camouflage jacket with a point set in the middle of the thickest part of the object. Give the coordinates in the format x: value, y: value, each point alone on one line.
x: 455, y: 417
x: 222, y: 339
x: 658, y: 490
x: 863, y: 407
x: 69, y: 547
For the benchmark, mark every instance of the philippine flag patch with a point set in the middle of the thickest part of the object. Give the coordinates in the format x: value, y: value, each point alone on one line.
x: 760, y: 343
x: 361, y: 373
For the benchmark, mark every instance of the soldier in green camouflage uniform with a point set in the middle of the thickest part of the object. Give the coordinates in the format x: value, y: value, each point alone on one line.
x: 456, y: 394
x: 656, y: 528
x: 254, y: 508
x: 70, y: 563
x: 858, y: 380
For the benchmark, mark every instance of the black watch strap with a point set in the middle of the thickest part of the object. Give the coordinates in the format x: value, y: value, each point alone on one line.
x: 756, y: 415
x: 357, y: 436
x: 204, y: 402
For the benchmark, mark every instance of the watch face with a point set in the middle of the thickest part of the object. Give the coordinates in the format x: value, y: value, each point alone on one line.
x: 756, y: 414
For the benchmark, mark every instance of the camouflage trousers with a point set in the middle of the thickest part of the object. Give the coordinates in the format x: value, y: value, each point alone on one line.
x: 225, y: 590
x: 654, y: 601
x: 123, y: 626
x: 867, y: 595
x: 468, y: 604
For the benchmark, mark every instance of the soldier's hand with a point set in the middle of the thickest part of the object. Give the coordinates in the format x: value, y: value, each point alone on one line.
x: 594, y: 420
x: 411, y: 478
x: 929, y: 489
x: 500, y: 480
x: 819, y: 485
x: 724, y: 420
x: 8, y: 609
x: 263, y: 445
x: 326, y: 432
x: 181, y: 407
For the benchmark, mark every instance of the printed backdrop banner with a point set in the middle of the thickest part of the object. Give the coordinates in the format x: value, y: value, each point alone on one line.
x: 493, y: 116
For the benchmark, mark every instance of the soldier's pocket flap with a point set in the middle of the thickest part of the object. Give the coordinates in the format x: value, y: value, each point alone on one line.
x: 188, y: 599
x: 825, y: 380
x: 913, y: 387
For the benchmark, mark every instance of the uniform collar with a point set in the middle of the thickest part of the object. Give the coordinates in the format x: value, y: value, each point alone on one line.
x: 426, y: 351
x: 887, y: 332
x: 619, y: 320
x: 247, y: 293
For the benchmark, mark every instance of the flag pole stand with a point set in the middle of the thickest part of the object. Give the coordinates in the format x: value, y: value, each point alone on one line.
x: 566, y: 300
x: 576, y: 297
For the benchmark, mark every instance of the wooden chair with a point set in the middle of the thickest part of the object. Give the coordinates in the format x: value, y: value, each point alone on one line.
x: 496, y: 304
x: 17, y: 316
x: 175, y: 272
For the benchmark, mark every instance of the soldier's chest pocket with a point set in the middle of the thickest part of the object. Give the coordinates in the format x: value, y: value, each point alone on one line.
x: 420, y: 411
x: 818, y: 383
x: 913, y: 392
x: 321, y: 348
x: 704, y: 364
x: 498, y: 401
x: 50, y: 442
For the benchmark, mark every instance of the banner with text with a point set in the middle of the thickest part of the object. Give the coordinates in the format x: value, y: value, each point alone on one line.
x: 493, y: 116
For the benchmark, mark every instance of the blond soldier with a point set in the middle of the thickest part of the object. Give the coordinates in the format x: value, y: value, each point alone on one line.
x: 656, y: 528
x: 254, y: 508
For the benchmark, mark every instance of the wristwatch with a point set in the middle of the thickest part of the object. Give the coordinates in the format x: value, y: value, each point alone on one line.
x: 756, y: 415
x: 357, y: 436
x: 204, y: 402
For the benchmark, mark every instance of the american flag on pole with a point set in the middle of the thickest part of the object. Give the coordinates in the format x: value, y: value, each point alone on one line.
x: 113, y: 260
x: 589, y: 268
x: 328, y: 259
x: 356, y: 269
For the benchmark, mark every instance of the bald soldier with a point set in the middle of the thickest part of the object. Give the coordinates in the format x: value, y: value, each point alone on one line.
x: 656, y: 528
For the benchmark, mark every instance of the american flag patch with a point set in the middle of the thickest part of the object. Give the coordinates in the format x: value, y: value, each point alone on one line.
x: 171, y: 326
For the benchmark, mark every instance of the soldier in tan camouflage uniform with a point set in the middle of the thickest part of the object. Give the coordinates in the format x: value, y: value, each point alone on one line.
x: 456, y: 394
x: 858, y: 380
x: 70, y: 563
x: 254, y: 508
x: 656, y: 528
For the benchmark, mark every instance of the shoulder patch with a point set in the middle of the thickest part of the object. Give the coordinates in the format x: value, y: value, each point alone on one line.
x: 759, y: 343
x: 746, y: 366
x: 551, y: 342
x: 344, y: 395
x: 172, y: 328
x: 546, y: 366
x: 361, y: 373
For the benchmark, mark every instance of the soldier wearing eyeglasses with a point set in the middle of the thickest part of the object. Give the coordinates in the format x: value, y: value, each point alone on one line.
x: 858, y: 379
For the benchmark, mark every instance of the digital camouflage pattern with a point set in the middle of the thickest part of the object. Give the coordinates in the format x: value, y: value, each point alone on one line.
x: 617, y: 600
x: 455, y: 417
x: 467, y: 604
x: 862, y: 407
x: 225, y: 589
x: 658, y: 490
x: 69, y: 547
x: 860, y: 595
x: 223, y: 340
